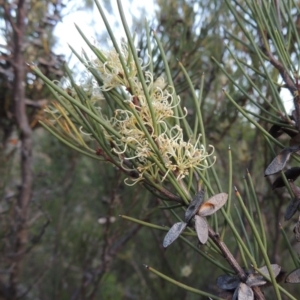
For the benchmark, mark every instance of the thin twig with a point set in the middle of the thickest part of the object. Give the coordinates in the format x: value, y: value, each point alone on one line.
x: 227, y: 254
x: 289, y: 83
x: 24, y: 196
x: 233, y: 262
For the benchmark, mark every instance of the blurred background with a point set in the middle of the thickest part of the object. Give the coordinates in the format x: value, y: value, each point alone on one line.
x: 61, y: 236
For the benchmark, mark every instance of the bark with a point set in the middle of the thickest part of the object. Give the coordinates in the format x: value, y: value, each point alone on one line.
x: 22, y: 205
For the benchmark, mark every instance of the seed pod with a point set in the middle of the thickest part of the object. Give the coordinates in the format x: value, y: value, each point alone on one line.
x: 194, y: 206
x: 227, y: 282
x: 173, y: 233
x: 279, y: 162
x: 213, y: 204
x: 201, y: 227
x: 293, y: 277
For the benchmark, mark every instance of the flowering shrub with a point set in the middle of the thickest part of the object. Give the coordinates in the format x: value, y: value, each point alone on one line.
x: 145, y: 133
x: 124, y: 114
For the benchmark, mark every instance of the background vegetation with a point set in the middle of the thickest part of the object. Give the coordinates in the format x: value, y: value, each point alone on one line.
x: 61, y: 234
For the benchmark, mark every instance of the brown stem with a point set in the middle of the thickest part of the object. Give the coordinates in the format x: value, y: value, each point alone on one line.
x: 24, y: 196
x: 283, y: 72
x: 227, y: 254
x: 289, y: 83
x: 233, y: 262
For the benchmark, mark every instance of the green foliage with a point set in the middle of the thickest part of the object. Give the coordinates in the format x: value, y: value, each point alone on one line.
x: 82, y: 249
x: 133, y: 137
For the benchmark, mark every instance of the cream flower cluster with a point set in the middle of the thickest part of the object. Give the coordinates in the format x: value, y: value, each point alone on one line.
x: 180, y: 156
x: 175, y: 154
x: 112, y: 71
x: 147, y: 140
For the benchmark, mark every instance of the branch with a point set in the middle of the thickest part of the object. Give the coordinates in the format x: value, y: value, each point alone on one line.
x: 37, y: 103
x: 289, y: 83
x: 9, y: 17
x: 233, y: 262
x: 227, y: 254
x: 24, y: 197
x: 283, y: 72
